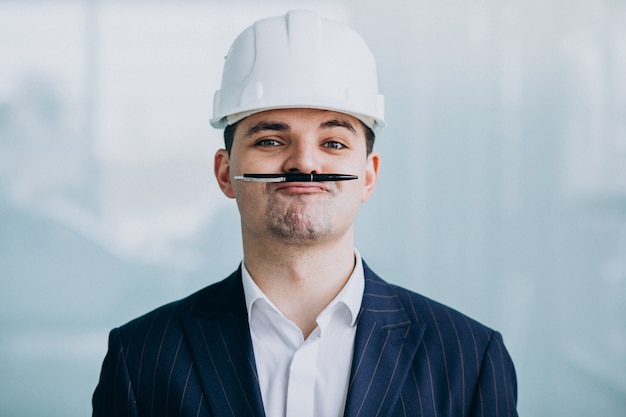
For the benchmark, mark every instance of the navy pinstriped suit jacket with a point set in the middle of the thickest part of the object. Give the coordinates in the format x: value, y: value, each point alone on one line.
x: 412, y: 357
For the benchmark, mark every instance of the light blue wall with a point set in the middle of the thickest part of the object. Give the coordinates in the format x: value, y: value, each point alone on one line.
x: 503, y: 187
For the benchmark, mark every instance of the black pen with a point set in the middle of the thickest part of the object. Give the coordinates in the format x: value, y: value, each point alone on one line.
x: 299, y: 177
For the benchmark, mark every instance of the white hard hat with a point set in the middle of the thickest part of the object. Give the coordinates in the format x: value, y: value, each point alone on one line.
x: 299, y: 61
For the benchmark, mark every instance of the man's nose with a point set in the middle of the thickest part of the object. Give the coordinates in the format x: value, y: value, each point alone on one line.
x: 303, y: 157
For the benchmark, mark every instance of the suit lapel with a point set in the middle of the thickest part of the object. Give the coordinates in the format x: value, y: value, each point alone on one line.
x: 385, y: 345
x: 217, y: 332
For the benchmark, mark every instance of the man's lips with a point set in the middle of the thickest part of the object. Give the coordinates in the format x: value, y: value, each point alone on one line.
x: 300, y: 187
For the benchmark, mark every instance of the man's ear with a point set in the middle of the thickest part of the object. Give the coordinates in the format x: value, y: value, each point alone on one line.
x: 371, y: 175
x: 221, y: 168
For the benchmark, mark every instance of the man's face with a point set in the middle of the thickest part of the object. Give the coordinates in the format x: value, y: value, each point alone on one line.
x: 305, y: 141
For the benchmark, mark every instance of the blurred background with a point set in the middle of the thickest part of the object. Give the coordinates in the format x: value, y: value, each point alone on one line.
x: 503, y: 187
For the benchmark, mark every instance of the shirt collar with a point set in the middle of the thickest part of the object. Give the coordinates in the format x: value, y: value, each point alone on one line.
x: 350, y: 295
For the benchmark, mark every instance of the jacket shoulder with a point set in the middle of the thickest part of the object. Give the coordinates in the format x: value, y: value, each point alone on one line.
x: 442, y: 322
x: 167, y: 317
x: 460, y: 367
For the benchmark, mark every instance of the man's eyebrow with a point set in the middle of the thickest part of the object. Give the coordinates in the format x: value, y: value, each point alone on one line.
x: 338, y: 123
x: 265, y: 125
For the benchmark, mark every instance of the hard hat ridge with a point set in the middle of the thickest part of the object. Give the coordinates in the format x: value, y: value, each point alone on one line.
x: 299, y: 60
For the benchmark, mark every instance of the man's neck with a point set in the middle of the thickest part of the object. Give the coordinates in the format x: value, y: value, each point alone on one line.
x: 301, y: 280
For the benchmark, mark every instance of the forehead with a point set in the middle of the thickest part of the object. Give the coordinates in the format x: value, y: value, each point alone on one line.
x: 302, y: 119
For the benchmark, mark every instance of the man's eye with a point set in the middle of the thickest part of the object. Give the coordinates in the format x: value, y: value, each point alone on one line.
x: 268, y: 143
x: 334, y: 145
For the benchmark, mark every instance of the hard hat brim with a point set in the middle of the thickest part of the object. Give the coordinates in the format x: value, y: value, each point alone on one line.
x: 373, y: 123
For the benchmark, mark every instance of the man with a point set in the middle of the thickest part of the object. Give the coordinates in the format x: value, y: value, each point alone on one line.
x: 303, y: 327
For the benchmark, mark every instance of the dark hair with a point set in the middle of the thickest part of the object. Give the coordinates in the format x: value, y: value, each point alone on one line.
x: 229, y: 136
x: 370, y: 138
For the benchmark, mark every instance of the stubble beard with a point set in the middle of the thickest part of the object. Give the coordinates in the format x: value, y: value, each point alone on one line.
x: 297, y: 222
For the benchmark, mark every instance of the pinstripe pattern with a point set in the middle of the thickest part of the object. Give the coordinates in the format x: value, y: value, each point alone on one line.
x: 444, y: 365
x: 189, y: 358
x: 412, y: 357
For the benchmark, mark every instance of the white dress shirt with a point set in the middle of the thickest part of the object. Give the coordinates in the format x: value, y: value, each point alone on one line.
x: 298, y: 377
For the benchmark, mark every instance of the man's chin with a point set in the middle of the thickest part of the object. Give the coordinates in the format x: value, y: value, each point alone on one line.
x: 296, y: 235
